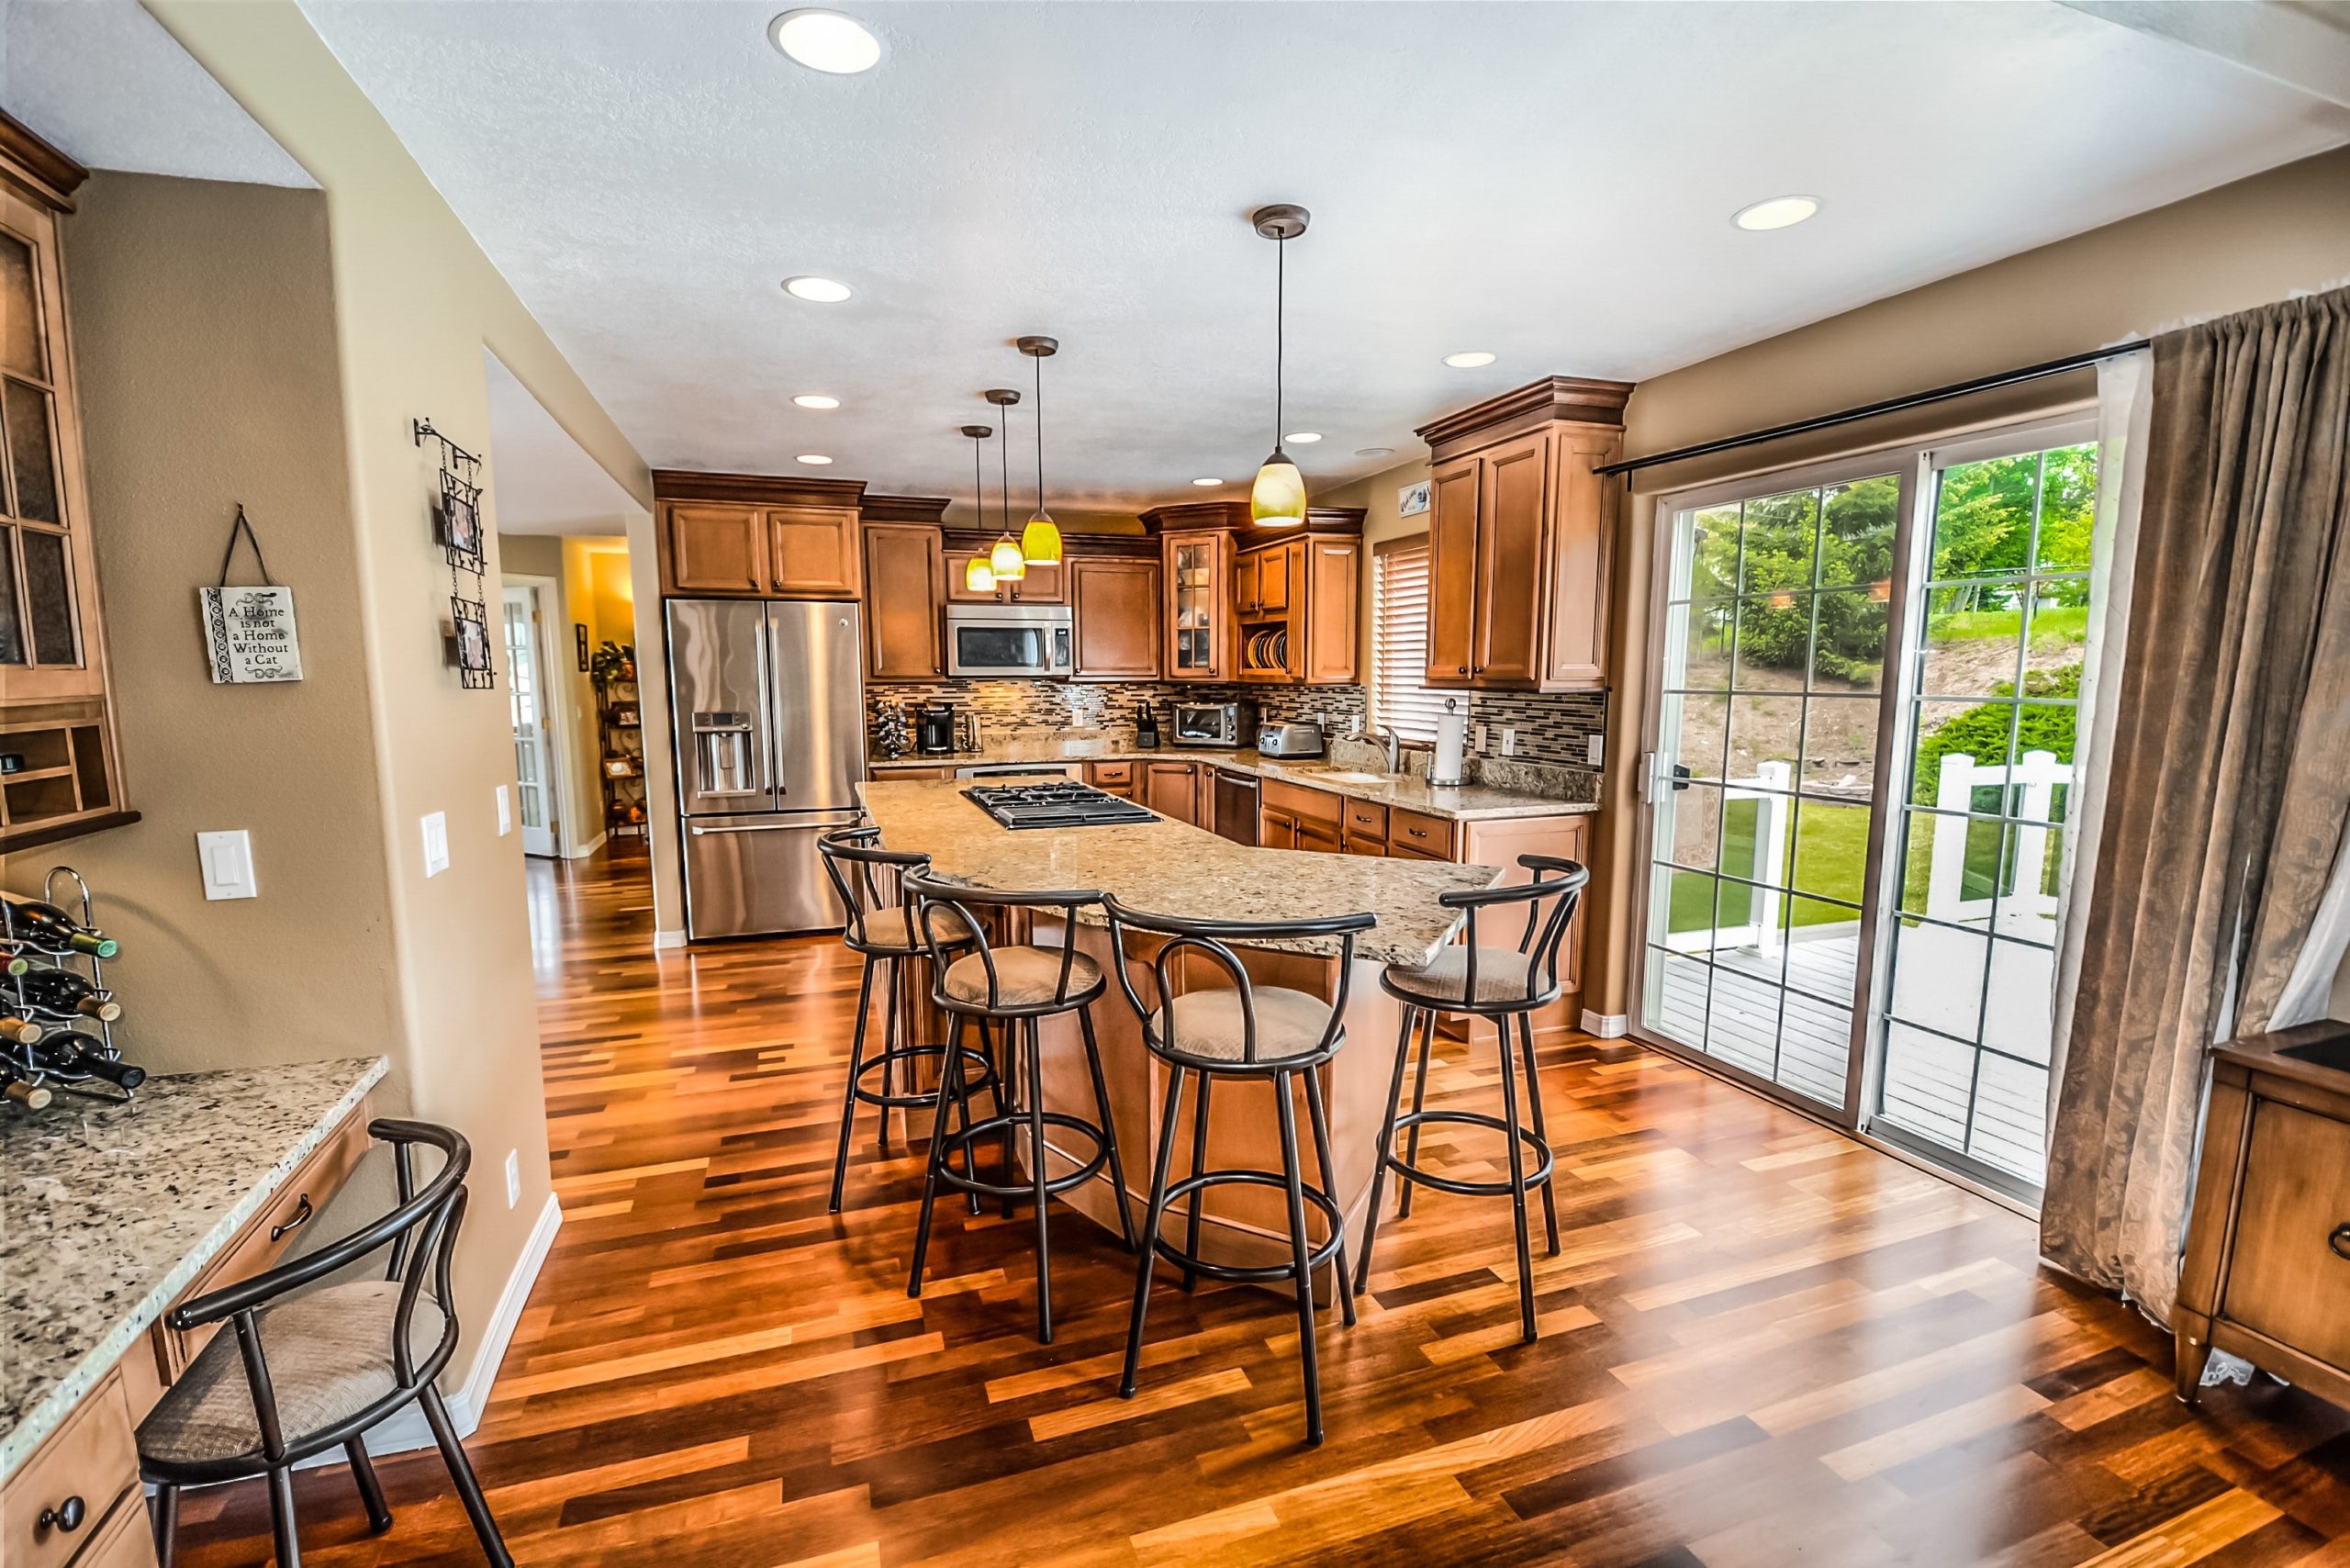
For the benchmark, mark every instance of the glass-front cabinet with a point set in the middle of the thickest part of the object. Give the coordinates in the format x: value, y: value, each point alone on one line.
x: 1198, y: 637
x: 57, y: 772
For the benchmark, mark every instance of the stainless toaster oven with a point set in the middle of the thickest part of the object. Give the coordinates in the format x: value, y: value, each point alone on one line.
x: 1228, y: 724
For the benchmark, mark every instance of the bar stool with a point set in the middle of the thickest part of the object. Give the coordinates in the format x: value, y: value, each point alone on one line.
x: 1245, y: 1030
x: 1503, y: 984
x: 882, y: 932
x: 1013, y: 987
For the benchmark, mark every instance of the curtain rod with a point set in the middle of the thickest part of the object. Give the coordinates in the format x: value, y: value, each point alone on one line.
x: 1870, y: 411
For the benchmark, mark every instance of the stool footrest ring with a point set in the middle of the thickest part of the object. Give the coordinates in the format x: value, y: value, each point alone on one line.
x: 966, y: 1140
x: 1263, y: 1273
x: 1536, y: 1175
x: 973, y: 1081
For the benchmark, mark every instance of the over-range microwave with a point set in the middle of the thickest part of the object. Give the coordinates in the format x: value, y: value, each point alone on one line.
x: 1017, y: 640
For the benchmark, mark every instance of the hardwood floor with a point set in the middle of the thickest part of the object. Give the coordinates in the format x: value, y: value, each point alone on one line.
x: 1762, y: 1344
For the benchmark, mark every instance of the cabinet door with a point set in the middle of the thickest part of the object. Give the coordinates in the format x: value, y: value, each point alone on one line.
x: 1245, y: 588
x: 815, y: 551
x: 2287, y: 1279
x: 1356, y: 844
x: 1115, y: 605
x: 1320, y: 836
x: 716, y: 548
x: 1172, y: 790
x: 1574, y: 647
x: 1198, y: 637
x: 1275, y: 569
x: 1333, y: 611
x: 1276, y: 829
x: 1452, y: 571
x: 1511, y: 507
x: 905, y: 587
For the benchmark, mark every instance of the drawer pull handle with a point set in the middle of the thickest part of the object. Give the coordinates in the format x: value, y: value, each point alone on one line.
x: 302, y: 1214
x: 66, y: 1517
x: 2340, y: 1240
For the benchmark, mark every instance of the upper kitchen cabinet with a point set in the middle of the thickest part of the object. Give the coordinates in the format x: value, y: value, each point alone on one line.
x: 758, y: 537
x: 1115, y: 604
x: 1259, y: 605
x: 905, y: 593
x: 1520, y: 537
x: 1036, y: 585
x: 56, y: 714
x: 1197, y: 563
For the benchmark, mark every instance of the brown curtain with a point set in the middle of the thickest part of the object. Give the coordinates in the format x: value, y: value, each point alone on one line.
x: 2224, y: 806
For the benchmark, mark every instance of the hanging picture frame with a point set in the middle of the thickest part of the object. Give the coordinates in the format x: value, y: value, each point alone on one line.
x: 579, y: 636
x: 460, y: 509
x: 250, y: 635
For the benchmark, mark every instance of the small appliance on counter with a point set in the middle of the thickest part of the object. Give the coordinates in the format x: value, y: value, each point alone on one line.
x: 1289, y: 740
x: 1146, y: 729
x: 935, y: 729
x: 1227, y: 725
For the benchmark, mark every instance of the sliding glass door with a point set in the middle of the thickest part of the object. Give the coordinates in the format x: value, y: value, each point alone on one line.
x: 1862, y: 756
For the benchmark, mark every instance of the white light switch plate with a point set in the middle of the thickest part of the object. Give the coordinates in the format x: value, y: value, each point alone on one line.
x: 227, y: 859
x: 1510, y: 740
x: 1595, y: 750
x: 505, y: 814
x: 436, y: 844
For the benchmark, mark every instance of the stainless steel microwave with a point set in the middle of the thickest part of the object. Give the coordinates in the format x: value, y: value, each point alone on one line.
x: 1035, y: 641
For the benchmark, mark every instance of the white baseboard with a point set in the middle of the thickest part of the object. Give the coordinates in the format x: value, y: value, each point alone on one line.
x: 1606, y: 1026
x: 581, y: 851
x: 668, y: 939
x: 405, y: 1430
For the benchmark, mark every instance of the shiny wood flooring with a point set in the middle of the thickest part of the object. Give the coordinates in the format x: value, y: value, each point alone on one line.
x: 1762, y: 1344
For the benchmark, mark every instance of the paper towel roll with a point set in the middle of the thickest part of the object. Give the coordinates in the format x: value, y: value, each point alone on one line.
x: 1452, y: 740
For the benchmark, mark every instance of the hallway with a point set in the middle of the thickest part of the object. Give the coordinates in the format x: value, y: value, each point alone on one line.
x: 1762, y: 1344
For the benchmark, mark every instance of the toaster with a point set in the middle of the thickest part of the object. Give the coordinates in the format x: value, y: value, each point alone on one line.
x: 1288, y: 740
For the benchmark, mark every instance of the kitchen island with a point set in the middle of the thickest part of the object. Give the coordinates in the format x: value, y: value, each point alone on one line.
x: 1173, y: 868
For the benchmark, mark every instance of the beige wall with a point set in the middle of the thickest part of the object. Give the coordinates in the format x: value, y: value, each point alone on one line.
x: 416, y: 303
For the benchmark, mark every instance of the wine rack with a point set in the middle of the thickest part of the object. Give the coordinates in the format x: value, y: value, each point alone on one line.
x: 33, y: 1069
x: 620, y: 722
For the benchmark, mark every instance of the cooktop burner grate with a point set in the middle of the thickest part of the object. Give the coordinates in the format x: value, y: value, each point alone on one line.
x: 1058, y: 804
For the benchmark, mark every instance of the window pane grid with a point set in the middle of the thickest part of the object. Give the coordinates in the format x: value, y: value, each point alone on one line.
x: 1399, y: 700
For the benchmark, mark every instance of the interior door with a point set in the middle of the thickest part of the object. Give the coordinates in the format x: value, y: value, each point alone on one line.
x: 527, y: 699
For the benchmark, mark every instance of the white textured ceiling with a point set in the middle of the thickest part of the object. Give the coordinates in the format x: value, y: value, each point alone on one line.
x: 1550, y: 182
x: 104, y: 83
x: 540, y: 480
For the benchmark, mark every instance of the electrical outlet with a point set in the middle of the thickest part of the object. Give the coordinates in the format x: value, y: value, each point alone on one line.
x: 436, y: 843
x: 505, y: 814
x: 1510, y: 740
x: 513, y: 1177
x: 1595, y: 750
x: 1481, y: 737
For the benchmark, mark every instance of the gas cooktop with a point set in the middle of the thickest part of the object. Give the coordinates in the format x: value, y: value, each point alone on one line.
x: 1057, y: 804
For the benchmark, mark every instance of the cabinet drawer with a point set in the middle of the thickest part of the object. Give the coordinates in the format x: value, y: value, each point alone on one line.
x: 1104, y: 774
x: 1297, y: 800
x: 125, y: 1540
x: 1364, y: 819
x: 270, y: 1234
x: 2289, y: 1277
x: 1419, y: 833
x: 92, y: 1456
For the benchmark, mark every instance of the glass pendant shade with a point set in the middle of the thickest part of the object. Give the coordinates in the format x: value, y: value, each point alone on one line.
x: 1006, y: 561
x: 1278, y: 497
x: 978, y: 575
x: 1040, y: 541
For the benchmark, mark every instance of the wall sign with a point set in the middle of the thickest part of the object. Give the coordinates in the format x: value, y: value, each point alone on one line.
x: 1411, y: 500
x: 248, y: 632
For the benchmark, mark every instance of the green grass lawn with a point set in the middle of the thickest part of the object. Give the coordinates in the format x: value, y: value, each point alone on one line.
x: 2050, y: 626
x: 1833, y: 864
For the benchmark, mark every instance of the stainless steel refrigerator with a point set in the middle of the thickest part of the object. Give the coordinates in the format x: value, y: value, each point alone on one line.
x: 768, y: 702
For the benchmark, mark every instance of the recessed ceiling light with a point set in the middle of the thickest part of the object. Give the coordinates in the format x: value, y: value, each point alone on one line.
x: 1205, y: 482
x: 1374, y: 452
x: 814, y: 459
x: 816, y: 400
x: 1779, y: 212
x: 825, y: 41
x: 1303, y: 438
x: 816, y: 290
x: 1468, y: 360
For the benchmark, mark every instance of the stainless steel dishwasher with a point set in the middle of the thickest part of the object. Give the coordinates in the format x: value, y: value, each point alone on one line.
x: 1235, y: 806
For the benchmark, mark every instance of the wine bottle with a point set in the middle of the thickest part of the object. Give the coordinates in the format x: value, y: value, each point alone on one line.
x: 21, y: 1031
x: 63, y: 993
x: 46, y: 926
x: 31, y: 1096
x: 14, y: 962
x: 73, y: 1056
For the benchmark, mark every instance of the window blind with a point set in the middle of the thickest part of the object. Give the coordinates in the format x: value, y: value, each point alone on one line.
x: 1399, y: 656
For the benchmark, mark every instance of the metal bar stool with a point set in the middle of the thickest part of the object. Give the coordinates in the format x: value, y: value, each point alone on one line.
x: 1014, y: 988
x: 1241, y: 1031
x: 1505, y: 984
x: 882, y: 931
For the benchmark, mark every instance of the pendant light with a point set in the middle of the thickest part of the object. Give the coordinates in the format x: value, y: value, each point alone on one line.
x: 1040, y: 541
x: 1278, y: 497
x: 1004, y: 558
x: 978, y: 577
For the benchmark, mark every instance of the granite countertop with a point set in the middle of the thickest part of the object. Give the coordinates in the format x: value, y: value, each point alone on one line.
x: 107, y: 1211
x: 1467, y: 802
x: 1173, y: 868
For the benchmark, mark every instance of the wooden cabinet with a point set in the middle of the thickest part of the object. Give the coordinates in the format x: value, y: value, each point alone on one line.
x: 715, y: 549
x: 756, y: 536
x: 814, y: 552
x: 1518, y: 536
x: 884, y: 771
x: 2267, y: 1268
x: 1115, y: 604
x: 1198, y: 570
x: 1362, y: 827
x: 905, y: 589
x: 1172, y: 790
x: 1297, y: 606
x: 92, y: 1460
x: 1112, y: 778
x: 1038, y: 585
x: 1292, y: 816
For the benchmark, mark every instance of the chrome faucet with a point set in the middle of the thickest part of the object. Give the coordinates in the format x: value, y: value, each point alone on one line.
x: 1395, y: 748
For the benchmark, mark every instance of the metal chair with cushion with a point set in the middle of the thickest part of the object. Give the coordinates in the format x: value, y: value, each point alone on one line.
x: 1243, y: 1030
x: 881, y: 929
x: 1507, y: 985
x: 297, y: 1375
x: 1013, y: 987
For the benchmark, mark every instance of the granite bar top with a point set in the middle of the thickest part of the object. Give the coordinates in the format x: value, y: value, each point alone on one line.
x: 1173, y: 868
x: 107, y: 1211
x: 1467, y: 802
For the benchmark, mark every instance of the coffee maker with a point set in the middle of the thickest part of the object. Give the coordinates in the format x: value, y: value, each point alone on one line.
x: 935, y: 729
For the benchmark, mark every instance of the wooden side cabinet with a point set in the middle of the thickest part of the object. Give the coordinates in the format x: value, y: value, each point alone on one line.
x: 1172, y: 790
x: 759, y: 536
x: 905, y: 592
x: 2267, y: 1268
x: 714, y: 549
x: 1114, y: 602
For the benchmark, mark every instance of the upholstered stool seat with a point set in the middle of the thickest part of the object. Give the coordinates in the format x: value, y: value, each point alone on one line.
x: 1025, y: 977
x: 1215, y: 1023
x: 1506, y: 978
x: 888, y: 931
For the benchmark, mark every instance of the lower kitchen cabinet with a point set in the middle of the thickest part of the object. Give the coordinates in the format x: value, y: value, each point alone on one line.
x: 1113, y: 778
x: 1172, y: 790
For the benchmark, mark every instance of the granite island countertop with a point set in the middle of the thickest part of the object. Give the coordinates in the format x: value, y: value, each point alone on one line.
x: 1466, y: 802
x: 107, y: 1211
x: 1173, y: 868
